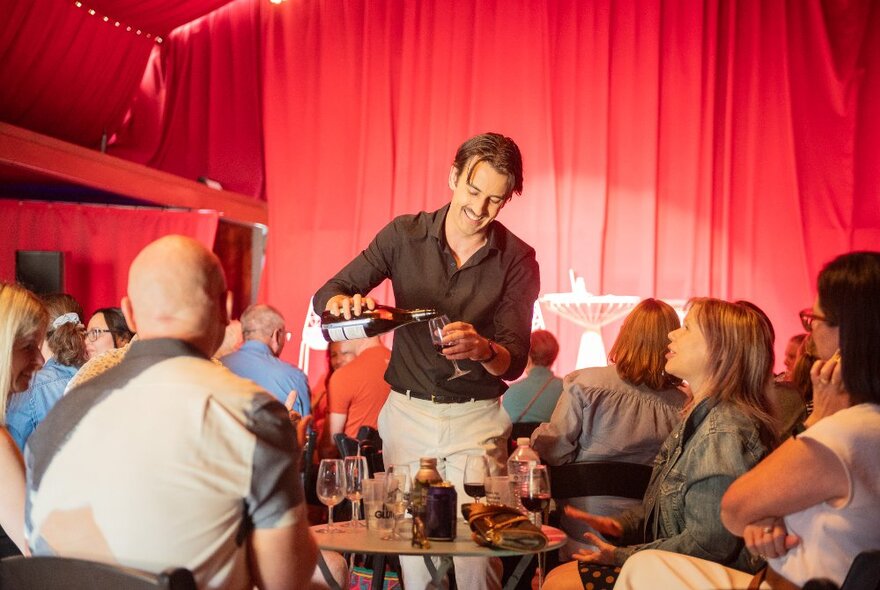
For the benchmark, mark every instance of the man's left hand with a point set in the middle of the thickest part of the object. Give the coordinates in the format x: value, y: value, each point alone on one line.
x: 467, y: 344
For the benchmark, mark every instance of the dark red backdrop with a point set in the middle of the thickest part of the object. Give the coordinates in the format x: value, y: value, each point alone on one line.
x: 672, y: 149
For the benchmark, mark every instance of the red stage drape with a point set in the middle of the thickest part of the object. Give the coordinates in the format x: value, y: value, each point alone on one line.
x: 197, y: 112
x: 671, y: 149
x: 99, y: 242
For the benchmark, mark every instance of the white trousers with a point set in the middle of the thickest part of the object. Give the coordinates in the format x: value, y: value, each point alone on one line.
x: 412, y: 428
x: 651, y: 569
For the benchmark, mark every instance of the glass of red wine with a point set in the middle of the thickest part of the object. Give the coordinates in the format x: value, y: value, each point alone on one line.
x: 476, y: 471
x: 436, y: 325
x: 535, y: 493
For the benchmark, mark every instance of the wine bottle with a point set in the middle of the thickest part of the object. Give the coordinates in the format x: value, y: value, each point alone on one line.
x: 371, y: 322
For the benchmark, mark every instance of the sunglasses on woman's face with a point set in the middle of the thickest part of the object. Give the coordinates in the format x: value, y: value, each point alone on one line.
x: 808, y: 317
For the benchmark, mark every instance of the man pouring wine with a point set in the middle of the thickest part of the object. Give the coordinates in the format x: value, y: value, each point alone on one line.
x: 460, y: 262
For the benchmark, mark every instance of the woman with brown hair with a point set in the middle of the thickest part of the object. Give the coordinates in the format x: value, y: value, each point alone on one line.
x: 64, y: 349
x: 635, y: 391
x: 724, y: 352
x: 23, y: 322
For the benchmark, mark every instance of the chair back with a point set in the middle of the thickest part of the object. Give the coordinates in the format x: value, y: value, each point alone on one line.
x: 599, y: 478
x: 63, y: 573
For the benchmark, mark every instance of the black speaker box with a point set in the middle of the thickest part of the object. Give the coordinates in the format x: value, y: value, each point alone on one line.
x: 41, y: 271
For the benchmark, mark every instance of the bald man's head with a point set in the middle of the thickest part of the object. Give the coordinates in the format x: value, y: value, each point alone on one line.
x: 176, y: 289
x: 264, y: 323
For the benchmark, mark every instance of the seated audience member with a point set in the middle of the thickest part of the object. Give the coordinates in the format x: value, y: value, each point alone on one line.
x: 533, y: 399
x: 23, y: 323
x: 232, y: 340
x: 724, y: 351
x: 188, y: 464
x: 107, y: 330
x: 339, y: 354
x: 357, y: 391
x: 814, y: 503
x: 64, y: 349
x: 262, y: 327
x: 791, y: 355
x: 634, y: 391
x: 800, y: 376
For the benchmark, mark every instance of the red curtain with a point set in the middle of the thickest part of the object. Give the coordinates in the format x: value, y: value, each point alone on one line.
x: 71, y: 71
x: 672, y: 149
x: 98, y: 242
x: 197, y: 111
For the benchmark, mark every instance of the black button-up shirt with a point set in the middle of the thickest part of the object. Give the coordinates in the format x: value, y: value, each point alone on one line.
x: 495, y: 291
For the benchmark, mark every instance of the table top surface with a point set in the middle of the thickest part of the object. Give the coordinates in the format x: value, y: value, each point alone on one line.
x: 360, y: 540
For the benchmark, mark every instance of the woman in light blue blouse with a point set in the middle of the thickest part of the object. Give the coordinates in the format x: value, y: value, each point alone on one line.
x: 64, y: 349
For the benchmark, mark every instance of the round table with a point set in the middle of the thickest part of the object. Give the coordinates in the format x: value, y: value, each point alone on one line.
x: 360, y: 540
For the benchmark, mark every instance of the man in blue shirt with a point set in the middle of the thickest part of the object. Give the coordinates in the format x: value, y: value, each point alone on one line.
x: 262, y: 327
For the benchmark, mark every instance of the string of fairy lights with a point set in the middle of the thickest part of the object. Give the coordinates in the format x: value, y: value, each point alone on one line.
x: 116, y: 23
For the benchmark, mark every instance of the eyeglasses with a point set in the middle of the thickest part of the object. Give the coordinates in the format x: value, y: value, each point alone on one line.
x: 808, y: 317
x: 95, y: 333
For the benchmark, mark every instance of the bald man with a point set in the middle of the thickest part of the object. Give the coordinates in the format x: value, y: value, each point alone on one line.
x: 168, y: 459
x: 262, y: 327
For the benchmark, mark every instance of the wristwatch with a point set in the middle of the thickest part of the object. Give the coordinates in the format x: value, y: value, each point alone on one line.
x: 493, y: 352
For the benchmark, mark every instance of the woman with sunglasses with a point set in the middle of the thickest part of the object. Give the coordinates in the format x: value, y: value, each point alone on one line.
x: 813, y: 504
x: 107, y: 330
x: 23, y: 322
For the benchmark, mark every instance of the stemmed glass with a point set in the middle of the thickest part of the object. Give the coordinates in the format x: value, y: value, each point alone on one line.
x: 535, y: 496
x: 398, y: 487
x: 476, y: 471
x: 355, y: 474
x: 436, y: 326
x: 331, y: 488
x: 535, y: 491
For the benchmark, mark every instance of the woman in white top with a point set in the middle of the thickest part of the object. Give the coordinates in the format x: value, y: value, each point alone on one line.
x: 813, y: 504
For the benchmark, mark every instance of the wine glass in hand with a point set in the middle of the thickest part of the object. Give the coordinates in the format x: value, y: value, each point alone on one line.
x: 436, y: 325
x: 398, y: 487
x: 355, y: 474
x: 476, y: 471
x: 535, y: 492
x: 330, y: 488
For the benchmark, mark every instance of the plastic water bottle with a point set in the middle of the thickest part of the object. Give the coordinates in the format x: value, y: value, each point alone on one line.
x: 518, y: 466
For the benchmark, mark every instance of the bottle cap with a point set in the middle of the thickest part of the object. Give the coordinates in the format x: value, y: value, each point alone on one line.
x: 523, y: 441
x: 428, y: 461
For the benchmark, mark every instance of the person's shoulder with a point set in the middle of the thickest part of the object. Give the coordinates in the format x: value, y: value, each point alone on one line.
x: 509, y: 242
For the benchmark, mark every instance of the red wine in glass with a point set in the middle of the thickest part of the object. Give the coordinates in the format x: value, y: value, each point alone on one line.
x: 475, y: 490
x: 537, y: 503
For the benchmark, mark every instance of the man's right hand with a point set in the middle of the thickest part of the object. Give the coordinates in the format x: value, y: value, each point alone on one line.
x: 349, y: 305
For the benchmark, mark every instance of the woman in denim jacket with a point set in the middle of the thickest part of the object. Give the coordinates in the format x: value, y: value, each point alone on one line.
x: 724, y: 352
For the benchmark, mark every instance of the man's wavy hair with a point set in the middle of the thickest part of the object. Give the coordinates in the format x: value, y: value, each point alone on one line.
x: 498, y: 151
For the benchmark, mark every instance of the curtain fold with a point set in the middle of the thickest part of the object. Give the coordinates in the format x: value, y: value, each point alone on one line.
x: 671, y: 149
x: 98, y: 242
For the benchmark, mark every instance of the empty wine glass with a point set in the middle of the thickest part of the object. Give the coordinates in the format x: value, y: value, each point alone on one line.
x: 330, y: 488
x: 398, y: 486
x: 355, y: 474
x: 436, y: 326
x: 476, y: 471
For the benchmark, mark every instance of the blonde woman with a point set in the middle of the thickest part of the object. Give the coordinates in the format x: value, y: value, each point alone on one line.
x: 23, y: 323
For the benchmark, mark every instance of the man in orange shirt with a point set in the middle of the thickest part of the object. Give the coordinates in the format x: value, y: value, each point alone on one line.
x: 357, y: 391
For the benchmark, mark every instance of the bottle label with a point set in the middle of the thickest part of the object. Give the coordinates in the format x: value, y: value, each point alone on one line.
x: 338, y: 334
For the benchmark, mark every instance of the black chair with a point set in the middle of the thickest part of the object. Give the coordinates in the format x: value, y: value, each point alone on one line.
x: 519, y: 430
x: 599, y: 478
x: 864, y: 574
x: 308, y: 468
x: 62, y: 573
x: 347, y: 446
x: 368, y: 434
